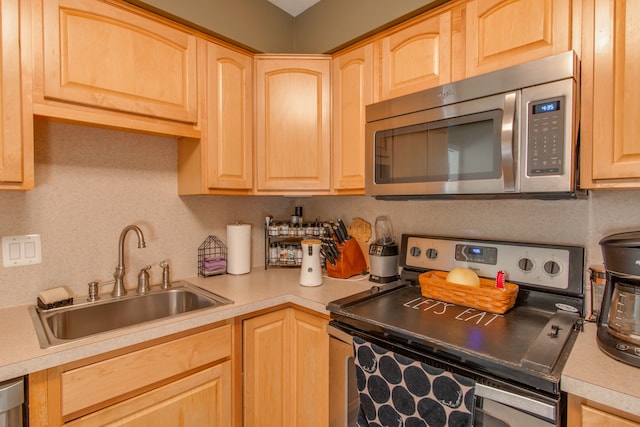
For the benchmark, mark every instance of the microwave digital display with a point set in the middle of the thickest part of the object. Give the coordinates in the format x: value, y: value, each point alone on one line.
x: 546, y: 107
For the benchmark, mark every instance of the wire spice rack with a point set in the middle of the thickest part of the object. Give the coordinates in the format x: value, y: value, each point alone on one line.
x: 212, y: 257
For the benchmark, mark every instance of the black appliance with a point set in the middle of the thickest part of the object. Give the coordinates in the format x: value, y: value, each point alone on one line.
x: 619, y: 316
x: 516, y: 359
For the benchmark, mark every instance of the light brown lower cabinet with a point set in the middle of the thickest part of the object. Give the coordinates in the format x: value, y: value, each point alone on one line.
x: 583, y: 413
x: 286, y: 369
x: 184, y: 379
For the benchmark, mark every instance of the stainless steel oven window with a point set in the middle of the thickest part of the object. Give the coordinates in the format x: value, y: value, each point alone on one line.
x: 458, y: 149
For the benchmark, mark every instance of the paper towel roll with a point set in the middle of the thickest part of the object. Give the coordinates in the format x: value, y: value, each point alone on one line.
x: 238, y: 248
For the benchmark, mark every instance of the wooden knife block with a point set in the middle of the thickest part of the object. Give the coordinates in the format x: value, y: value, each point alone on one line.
x: 351, y: 262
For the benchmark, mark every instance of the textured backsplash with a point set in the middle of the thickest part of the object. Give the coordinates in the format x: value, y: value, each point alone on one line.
x: 91, y: 183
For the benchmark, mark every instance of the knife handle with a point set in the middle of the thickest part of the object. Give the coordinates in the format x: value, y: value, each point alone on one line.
x: 343, y: 229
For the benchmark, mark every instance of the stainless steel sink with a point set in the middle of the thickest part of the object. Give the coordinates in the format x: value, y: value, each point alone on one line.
x: 66, y: 324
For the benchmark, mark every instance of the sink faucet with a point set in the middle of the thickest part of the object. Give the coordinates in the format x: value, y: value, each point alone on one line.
x: 118, y: 288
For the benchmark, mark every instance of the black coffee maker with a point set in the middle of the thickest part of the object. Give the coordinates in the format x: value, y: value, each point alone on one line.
x: 619, y: 317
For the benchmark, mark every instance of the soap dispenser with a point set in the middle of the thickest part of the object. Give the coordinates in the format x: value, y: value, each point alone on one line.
x: 166, y: 281
x: 143, y: 280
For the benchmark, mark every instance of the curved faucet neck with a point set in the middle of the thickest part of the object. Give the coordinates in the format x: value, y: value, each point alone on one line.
x: 118, y: 286
x: 141, y: 242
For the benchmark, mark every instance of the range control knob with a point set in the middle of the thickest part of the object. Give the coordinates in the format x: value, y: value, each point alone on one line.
x: 432, y: 253
x: 415, y: 251
x: 552, y: 268
x: 525, y: 264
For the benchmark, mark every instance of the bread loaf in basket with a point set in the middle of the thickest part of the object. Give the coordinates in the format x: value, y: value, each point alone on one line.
x: 487, y: 296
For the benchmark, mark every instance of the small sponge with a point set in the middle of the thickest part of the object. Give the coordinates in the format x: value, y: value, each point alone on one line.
x: 53, y: 298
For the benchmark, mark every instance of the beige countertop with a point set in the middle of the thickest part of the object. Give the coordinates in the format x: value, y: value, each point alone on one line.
x: 21, y: 354
x: 591, y: 374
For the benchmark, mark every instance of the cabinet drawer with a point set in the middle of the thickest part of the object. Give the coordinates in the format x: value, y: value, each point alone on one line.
x: 201, y: 399
x: 592, y: 417
x: 92, y: 384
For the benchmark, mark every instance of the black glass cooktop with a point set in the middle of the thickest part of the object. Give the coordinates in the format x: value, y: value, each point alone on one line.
x: 523, y: 339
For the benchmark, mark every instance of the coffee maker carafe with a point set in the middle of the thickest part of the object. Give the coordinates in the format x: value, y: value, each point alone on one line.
x: 619, y: 317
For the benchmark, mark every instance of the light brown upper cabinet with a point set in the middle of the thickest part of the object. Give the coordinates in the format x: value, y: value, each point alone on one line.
x: 16, y: 118
x: 352, y: 90
x: 293, y: 127
x: 110, y: 64
x: 221, y: 161
x: 415, y: 56
x: 469, y: 37
x: 501, y: 33
x: 610, y: 153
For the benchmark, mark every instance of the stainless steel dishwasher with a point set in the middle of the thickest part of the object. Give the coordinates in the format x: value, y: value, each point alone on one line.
x: 11, y: 403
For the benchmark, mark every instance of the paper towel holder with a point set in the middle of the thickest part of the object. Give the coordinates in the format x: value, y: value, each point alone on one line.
x: 239, y: 248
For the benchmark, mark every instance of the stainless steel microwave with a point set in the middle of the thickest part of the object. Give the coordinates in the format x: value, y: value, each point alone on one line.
x: 508, y: 133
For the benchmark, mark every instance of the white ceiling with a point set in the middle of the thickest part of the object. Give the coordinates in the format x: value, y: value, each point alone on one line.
x: 294, y: 7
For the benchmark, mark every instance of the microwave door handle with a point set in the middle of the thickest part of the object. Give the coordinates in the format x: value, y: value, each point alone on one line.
x: 507, y: 133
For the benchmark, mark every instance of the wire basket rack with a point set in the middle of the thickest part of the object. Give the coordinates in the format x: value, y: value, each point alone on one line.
x: 212, y: 257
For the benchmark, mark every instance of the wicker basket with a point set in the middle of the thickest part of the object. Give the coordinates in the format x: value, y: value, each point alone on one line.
x: 485, y: 297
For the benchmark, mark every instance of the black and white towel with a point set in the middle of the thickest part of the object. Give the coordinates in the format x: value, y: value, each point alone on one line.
x: 398, y: 391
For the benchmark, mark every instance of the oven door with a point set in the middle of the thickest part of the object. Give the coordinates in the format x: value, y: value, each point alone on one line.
x: 464, y: 148
x: 495, y: 406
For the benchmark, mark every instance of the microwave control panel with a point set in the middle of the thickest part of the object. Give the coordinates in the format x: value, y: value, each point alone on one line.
x: 545, y: 154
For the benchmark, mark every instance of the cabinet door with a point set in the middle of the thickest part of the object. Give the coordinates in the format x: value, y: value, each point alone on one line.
x: 610, y: 94
x: 202, y: 399
x: 416, y: 57
x: 352, y: 84
x: 221, y: 161
x: 501, y: 33
x: 310, y: 370
x: 286, y: 369
x: 109, y: 57
x: 293, y: 128
x: 229, y: 121
x: 16, y: 119
x: 266, y: 361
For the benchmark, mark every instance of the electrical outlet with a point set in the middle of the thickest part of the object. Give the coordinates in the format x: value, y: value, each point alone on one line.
x: 21, y: 250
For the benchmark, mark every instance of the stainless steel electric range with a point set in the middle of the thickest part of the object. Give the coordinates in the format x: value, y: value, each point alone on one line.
x: 515, y: 359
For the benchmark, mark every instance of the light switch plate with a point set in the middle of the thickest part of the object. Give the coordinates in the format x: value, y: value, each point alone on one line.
x: 21, y: 250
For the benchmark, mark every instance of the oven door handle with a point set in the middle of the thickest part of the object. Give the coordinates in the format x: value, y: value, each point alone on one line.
x: 527, y: 404
x: 507, y: 145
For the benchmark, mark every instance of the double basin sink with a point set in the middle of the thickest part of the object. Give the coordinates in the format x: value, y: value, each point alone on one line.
x: 67, y: 324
